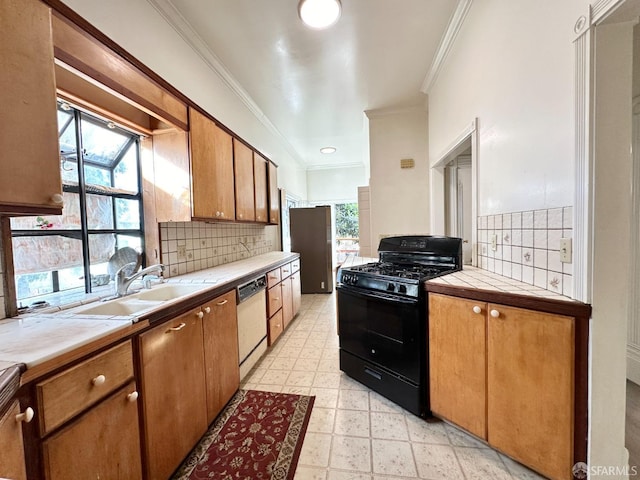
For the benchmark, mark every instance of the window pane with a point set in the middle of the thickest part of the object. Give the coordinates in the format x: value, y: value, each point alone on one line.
x: 45, y: 254
x: 33, y: 284
x: 99, y: 212
x: 69, y: 220
x: 102, y: 146
x: 101, y: 247
x: 127, y: 214
x: 69, y: 278
x: 134, y: 242
x: 97, y: 176
x: 126, y: 172
x: 68, y: 149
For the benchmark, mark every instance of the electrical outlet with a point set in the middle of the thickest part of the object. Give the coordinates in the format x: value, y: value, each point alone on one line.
x: 566, y: 251
x: 494, y: 242
x: 182, y: 252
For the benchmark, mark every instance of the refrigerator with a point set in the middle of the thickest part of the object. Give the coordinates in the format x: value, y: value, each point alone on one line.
x: 310, y: 231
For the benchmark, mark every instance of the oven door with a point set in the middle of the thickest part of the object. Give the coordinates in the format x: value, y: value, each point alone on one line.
x: 384, y: 329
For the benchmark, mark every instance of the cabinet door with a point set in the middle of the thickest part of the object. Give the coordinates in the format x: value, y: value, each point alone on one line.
x: 243, y: 171
x: 12, y: 452
x: 173, y: 392
x: 260, y: 185
x: 172, y: 177
x: 30, y: 181
x: 102, y: 443
x: 275, y: 327
x: 274, y: 300
x: 530, y: 388
x: 220, y: 328
x: 457, y: 361
x: 212, y: 181
x: 274, y: 195
x: 287, y: 302
x: 296, y: 293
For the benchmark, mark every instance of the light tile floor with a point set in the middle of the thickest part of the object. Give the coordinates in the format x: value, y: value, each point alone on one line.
x: 356, y: 434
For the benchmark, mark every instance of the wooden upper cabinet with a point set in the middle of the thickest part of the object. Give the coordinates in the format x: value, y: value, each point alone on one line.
x: 30, y: 180
x: 243, y: 171
x: 171, y: 174
x: 212, y: 180
x: 260, y: 186
x: 274, y: 195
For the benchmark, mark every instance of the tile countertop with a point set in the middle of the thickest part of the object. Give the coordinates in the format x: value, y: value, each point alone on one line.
x: 34, y: 338
x: 476, y: 278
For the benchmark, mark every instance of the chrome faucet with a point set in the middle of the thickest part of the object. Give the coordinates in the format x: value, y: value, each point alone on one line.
x: 123, y: 282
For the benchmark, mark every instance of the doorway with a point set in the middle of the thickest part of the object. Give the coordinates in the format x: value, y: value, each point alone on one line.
x: 458, y: 205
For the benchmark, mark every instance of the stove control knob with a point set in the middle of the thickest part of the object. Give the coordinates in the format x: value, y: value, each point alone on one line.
x: 402, y: 289
x: 391, y: 287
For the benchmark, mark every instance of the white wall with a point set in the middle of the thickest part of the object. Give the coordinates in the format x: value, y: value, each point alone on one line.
x: 612, y: 213
x: 512, y: 67
x: 335, y: 185
x: 142, y: 31
x: 399, y: 197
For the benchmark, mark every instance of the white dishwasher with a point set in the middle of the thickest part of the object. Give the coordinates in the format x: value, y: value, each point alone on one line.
x: 252, y: 323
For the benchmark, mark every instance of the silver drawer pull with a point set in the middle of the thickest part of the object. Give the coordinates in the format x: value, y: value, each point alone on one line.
x: 178, y: 328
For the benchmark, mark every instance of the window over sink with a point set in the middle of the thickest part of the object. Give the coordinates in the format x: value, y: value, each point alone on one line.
x: 57, y: 256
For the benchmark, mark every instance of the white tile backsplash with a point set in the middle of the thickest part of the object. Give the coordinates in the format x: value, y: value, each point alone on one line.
x: 528, y: 247
x: 207, y: 245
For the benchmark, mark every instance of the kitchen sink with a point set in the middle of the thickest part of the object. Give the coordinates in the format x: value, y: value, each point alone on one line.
x: 123, y: 306
x: 169, y: 291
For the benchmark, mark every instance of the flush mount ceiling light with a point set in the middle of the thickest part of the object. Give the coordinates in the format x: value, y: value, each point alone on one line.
x: 319, y: 14
x: 328, y: 150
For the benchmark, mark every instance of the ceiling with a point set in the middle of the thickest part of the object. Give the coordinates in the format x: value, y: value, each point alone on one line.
x: 312, y: 87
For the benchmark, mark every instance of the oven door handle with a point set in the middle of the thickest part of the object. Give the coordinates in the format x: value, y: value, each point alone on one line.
x: 369, y: 294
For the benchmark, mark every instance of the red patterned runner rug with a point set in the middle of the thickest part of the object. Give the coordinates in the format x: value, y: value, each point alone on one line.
x: 257, y: 436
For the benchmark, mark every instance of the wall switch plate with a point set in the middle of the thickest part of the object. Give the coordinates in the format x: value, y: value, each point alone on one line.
x: 182, y: 252
x: 566, y: 252
x: 494, y: 242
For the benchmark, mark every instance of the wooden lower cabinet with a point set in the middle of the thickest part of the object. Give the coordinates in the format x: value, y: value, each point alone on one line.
x: 287, y: 302
x: 516, y: 390
x: 530, y: 372
x: 173, y: 392
x: 283, y: 298
x: 296, y: 292
x: 275, y: 326
x: 12, y: 464
x: 457, y: 363
x: 102, y: 443
x: 220, y: 330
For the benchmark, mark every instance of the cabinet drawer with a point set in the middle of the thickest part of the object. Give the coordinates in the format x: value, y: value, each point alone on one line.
x: 274, y: 300
x: 285, y: 271
x: 273, y: 277
x: 71, y: 391
x: 275, y: 327
x: 295, y: 265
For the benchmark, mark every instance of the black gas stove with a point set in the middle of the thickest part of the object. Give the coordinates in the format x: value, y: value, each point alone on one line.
x: 383, y: 319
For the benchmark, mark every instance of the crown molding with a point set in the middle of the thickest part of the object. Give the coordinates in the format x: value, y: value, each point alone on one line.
x: 384, y: 112
x: 175, y: 19
x: 446, y: 42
